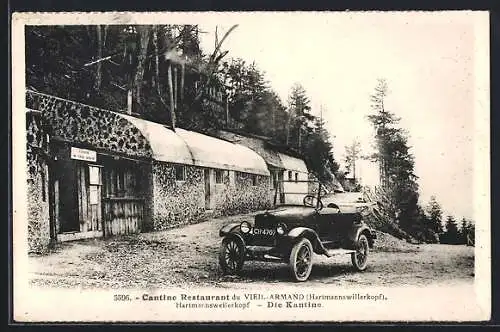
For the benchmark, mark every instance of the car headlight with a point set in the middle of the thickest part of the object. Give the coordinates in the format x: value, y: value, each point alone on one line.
x: 281, y: 229
x: 245, y: 227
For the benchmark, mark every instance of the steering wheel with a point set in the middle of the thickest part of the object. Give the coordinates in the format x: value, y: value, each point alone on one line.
x: 309, y: 200
x: 334, y: 206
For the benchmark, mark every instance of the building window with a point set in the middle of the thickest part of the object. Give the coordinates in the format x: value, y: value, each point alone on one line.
x: 219, y: 176
x: 254, y: 180
x: 289, y: 175
x: 94, y: 175
x: 180, y: 173
x: 119, y: 181
x: 296, y: 177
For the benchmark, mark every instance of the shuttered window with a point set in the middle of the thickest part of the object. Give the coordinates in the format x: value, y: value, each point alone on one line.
x: 180, y: 173
x: 219, y: 176
x: 254, y: 180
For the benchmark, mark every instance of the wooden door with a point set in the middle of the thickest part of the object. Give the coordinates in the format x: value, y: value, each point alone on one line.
x: 66, y: 201
x: 207, y: 188
x: 123, y: 201
x: 89, y: 184
x: 281, y: 187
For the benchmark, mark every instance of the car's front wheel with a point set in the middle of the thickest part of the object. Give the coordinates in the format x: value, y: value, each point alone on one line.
x: 301, y: 260
x: 360, y: 257
x: 231, y: 255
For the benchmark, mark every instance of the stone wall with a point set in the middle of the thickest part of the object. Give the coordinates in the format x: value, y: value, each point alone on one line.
x: 176, y: 202
x: 182, y: 202
x: 239, y: 195
x: 91, y: 126
x: 37, y: 186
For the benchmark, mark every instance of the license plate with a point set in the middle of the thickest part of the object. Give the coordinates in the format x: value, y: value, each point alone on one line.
x: 264, y: 231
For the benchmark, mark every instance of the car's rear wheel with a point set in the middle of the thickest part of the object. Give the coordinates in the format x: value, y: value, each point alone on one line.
x: 301, y: 260
x: 360, y: 257
x: 231, y: 255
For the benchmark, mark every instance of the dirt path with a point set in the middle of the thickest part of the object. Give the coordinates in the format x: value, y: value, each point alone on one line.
x: 187, y: 257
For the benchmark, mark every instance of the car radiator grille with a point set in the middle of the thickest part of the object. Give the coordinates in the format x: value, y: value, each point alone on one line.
x: 269, y: 241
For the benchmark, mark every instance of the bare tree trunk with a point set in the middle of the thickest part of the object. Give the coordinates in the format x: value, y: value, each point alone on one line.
x: 299, y: 137
x: 141, y: 60
x: 181, y: 94
x: 273, y: 130
x: 354, y: 170
x: 288, y: 124
x: 105, y: 34
x: 129, y: 101
x: 175, y: 88
x: 156, y: 79
x: 227, y: 112
x: 171, y: 95
x: 98, y: 79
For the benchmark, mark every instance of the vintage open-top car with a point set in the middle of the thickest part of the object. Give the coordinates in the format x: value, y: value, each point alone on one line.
x: 291, y: 233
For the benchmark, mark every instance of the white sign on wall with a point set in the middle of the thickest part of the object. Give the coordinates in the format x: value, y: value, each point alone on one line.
x: 83, y: 154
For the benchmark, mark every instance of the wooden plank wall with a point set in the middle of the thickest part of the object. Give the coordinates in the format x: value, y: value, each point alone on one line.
x: 123, y: 203
x: 123, y: 215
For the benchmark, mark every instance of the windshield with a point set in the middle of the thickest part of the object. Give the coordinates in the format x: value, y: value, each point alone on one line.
x: 347, y: 197
x: 296, y: 193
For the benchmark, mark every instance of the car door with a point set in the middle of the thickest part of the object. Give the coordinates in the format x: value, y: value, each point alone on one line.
x: 327, y: 226
x: 341, y: 225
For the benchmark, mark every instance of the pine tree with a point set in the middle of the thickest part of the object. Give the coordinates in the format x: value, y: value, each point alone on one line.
x: 383, y: 122
x: 352, y: 155
x: 300, y: 119
x: 435, y: 215
x: 451, y: 234
x: 395, y: 161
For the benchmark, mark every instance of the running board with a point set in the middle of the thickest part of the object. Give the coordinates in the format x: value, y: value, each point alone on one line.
x: 335, y: 252
x: 274, y: 258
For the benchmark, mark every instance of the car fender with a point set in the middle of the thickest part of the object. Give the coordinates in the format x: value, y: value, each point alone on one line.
x: 297, y: 233
x: 356, y: 231
x: 229, y: 228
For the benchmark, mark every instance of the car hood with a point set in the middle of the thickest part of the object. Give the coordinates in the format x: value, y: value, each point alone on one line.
x: 287, y: 214
x: 292, y: 212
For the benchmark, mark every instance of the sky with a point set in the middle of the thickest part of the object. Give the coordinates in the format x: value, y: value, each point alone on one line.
x: 427, y: 59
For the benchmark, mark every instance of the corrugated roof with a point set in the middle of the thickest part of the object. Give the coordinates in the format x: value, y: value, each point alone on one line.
x: 256, y: 144
x: 165, y: 144
x: 192, y: 148
x: 212, y: 152
x: 292, y: 163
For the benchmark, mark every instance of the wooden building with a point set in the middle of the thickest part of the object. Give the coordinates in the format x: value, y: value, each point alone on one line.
x: 109, y: 173
x: 288, y: 174
x: 296, y: 175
